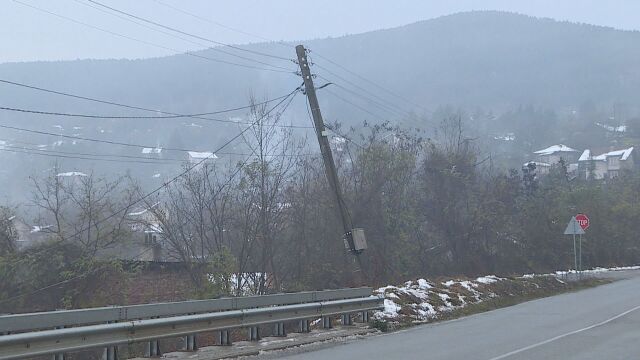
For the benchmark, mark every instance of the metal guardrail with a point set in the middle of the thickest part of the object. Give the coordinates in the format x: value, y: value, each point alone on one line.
x: 258, y: 310
x: 66, y: 318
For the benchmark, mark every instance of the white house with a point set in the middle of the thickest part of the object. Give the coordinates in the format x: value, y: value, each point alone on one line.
x: 554, y: 153
x: 155, y: 152
x: 540, y: 168
x: 196, y: 157
x: 607, y: 165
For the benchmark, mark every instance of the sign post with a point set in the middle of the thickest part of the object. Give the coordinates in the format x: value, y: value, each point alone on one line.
x: 574, y: 228
x: 584, y: 222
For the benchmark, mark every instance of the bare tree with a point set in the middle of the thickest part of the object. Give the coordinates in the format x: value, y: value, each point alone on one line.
x: 263, y: 188
x: 192, y: 215
x: 8, y: 233
x: 83, y: 209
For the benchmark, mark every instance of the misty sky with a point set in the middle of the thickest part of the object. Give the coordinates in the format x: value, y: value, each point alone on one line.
x: 30, y: 34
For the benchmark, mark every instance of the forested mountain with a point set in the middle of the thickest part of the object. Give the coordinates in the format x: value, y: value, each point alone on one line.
x: 483, y: 63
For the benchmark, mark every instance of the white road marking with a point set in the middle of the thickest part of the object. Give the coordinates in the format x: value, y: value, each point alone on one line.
x: 517, y: 351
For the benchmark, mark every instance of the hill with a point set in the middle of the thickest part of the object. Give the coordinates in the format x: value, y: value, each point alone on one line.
x: 493, y: 60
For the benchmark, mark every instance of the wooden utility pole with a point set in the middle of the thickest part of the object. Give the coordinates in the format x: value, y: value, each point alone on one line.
x: 354, y: 237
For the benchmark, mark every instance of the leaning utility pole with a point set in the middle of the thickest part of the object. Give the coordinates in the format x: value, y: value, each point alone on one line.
x: 354, y: 238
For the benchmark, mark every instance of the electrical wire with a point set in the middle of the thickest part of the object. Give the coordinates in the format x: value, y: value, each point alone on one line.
x: 174, y: 51
x: 341, y: 98
x: 368, y: 80
x: 186, y: 33
x: 382, y: 103
x: 169, y: 114
x: 315, y: 53
x: 84, y: 158
x: 79, y: 155
x: 177, y: 36
x: 222, y: 25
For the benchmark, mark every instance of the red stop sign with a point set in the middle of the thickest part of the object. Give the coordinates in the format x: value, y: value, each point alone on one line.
x: 583, y: 220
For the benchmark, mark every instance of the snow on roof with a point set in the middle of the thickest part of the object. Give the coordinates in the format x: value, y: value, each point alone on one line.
x: 586, y: 155
x: 505, y: 137
x: 621, y: 128
x: 151, y: 150
x: 140, y: 212
x: 37, y: 228
x: 153, y: 228
x: 554, y: 149
x: 543, y: 164
x: 202, y: 155
x: 623, y: 154
x: 71, y: 173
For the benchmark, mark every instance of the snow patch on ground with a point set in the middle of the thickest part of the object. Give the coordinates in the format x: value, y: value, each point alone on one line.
x: 423, y: 301
x: 489, y: 279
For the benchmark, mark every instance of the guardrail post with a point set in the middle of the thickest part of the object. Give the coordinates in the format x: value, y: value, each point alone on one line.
x: 152, y: 349
x: 304, y: 326
x: 59, y: 356
x: 278, y: 329
x: 326, y: 322
x: 190, y: 342
x: 110, y: 353
x: 224, y: 337
x: 346, y: 319
x: 364, y: 316
x: 254, y: 333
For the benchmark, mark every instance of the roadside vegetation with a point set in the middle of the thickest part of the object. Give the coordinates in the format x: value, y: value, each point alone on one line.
x: 430, y: 206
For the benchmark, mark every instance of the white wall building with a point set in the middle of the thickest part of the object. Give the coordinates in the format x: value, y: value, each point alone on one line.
x: 554, y: 153
x: 196, y: 157
x: 607, y: 165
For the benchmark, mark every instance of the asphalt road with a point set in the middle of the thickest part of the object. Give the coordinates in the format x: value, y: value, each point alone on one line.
x: 597, y: 323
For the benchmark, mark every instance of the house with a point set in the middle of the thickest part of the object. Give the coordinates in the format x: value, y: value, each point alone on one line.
x: 539, y: 168
x: 30, y: 235
x: 338, y: 143
x: 613, y: 131
x: 607, y: 165
x: 153, y: 152
x: 554, y: 153
x: 147, y: 242
x: 200, y: 157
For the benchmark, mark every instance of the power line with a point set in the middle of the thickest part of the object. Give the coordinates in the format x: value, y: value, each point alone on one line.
x: 319, y: 55
x: 40, y: 132
x: 355, y: 105
x: 199, y: 116
x: 78, y: 155
x: 384, y: 103
x: 177, y: 36
x: 147, y: 42
x: 368, y: 80
x: 83, y: 158
x: 186, y: 33
x: 85, y: 138
x: 92, y: 116
x: 366, y: 98
x: 222, y: 25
